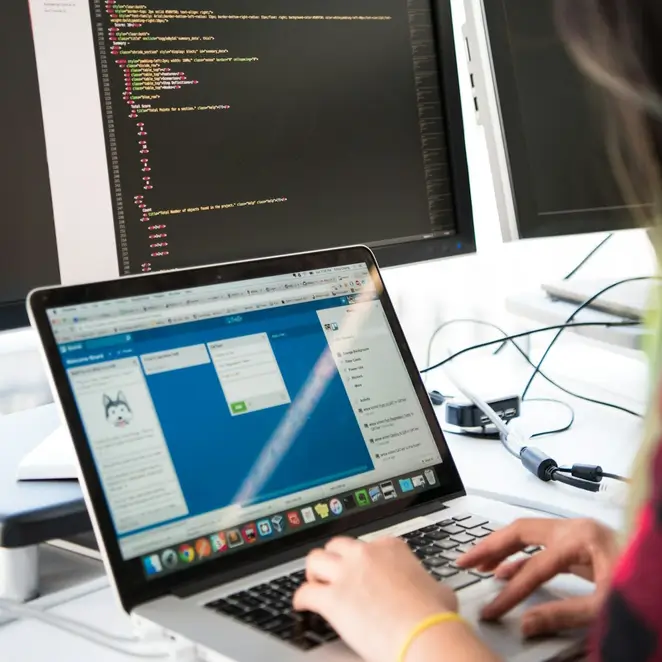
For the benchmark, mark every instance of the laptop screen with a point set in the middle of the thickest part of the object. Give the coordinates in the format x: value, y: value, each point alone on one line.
x: 225, y: 416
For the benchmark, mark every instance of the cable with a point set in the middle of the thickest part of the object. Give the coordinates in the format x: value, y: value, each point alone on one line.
x: 558, y: 430
x: 556, y: 327
x: 83, y: 630
x: 506, y: 339
x: 589, y: 256
x: 570, y: 319
x: 524, y: 334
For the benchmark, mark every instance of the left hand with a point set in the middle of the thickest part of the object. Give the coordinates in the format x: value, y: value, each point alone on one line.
x: 373, y: 594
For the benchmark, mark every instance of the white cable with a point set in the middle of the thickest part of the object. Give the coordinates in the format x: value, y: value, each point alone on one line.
x: 506, y: 435
x: 83, y: 630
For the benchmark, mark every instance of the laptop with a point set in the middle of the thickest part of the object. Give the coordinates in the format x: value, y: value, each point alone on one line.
x: 228, y: 419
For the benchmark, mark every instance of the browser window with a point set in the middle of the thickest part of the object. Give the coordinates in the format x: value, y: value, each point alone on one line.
x: 227, y: 415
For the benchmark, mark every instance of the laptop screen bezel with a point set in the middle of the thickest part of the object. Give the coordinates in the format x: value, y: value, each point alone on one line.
x: 132, y: 585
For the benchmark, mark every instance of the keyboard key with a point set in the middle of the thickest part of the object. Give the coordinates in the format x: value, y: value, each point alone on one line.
x: 462, y: 538
x: 257, y: 616
x: 451, y: 555
x: 480, y: 532
x: 463, y: 549
x: 452, y: 529
x: 247, y: 601
x: 481, y: 575
x: 227, y: 608
x: 473, y: 522
x: 434, y: 562
x: 415, y: 543
x: 430, y: 550
x: 436, y: 535
x: 278, y: 623
x: 444, y: 572
x: 446, y: 522
x: 428, y: 529
x: 460, y: 580
x: 462, y: 518
x: 446, y: 544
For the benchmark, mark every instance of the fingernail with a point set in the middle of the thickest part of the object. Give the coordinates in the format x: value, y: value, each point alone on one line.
x: 530, y: 625
x: 487, y: 612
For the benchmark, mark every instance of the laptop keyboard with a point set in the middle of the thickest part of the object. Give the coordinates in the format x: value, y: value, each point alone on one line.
x: 268, y: 606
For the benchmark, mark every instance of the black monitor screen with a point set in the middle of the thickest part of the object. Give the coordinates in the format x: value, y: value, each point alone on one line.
x: 555, y: 126
x: 241, y: 129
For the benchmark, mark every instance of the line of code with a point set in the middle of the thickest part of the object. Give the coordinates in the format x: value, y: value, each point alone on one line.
x: 235, y: 134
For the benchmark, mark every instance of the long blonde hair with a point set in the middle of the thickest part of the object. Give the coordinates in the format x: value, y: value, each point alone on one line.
x: 618, y: 44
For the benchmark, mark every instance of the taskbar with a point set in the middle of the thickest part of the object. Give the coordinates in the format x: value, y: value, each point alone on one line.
x: 259, y: 531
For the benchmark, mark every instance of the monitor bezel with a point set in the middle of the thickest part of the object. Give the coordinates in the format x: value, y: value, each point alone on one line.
x: 496, y: 94
x: 132, y: 585
x: 12, y: 313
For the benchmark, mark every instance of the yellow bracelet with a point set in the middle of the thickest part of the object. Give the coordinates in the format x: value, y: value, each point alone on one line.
x: 431, y: 621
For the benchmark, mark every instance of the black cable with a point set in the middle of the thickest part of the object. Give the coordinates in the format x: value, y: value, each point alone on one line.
x: 524, y: 334
x: 560, y: 327
x: 506, y: 339
x: 575, y: 482
x: 589, y: 256
x: 570, y: 319
x: 558, y: 430
x: 618, y: 477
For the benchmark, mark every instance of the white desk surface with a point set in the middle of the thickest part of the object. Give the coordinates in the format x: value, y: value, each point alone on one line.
x: 599, y: 435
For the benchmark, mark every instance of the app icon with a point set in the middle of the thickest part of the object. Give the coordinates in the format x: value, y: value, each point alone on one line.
x: 388, y: 490
x: 264, y: 528
x: 406, y: 485
x: 362, y: 498
x: 152, y: 564
x: 431, y: 478
x: 234, y: 538
x: 418, y: 481
x: 169, y: 559
x: 278, y: 523
x: 349, y: 502
x: 322, y: 509
x: 336, y: 506
x: 375, y: 494
x: 293, y: 518
x: 203, y: 548
x: 249, y: 533
x: 218, y: 542
x: 308, y: 515
x: 186, y: 553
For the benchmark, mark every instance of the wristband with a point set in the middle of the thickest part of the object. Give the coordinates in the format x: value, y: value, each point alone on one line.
x: 431, y: 621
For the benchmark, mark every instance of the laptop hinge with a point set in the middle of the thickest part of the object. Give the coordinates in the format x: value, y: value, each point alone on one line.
x: 217, y: 579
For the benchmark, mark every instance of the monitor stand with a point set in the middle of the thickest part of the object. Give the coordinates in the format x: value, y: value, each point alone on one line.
x: 53, y: 459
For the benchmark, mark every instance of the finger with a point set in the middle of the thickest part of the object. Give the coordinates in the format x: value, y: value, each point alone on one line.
x: 539, y: 569
x: 323, y: 566
x: 559, y: 615
x: 312, y: 596
x: 508, y: 569
x: 343, y: 547
x: 503, y: 543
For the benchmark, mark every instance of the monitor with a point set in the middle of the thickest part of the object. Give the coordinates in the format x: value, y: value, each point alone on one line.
x: 544, y: 123
x: 163, y: 135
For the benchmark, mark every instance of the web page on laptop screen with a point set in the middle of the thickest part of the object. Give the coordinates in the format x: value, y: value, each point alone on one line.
x: 228, y: 415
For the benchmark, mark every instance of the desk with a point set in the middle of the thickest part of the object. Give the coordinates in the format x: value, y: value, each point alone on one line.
x: 599, y: 435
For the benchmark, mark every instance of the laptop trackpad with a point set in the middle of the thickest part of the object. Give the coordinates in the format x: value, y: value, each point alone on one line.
x: 505, y: 636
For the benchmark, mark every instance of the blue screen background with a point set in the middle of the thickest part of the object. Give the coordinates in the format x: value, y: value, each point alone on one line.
x: 213, y: 451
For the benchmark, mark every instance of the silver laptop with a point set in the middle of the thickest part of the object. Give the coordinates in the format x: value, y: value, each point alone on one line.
x: 231, y: 418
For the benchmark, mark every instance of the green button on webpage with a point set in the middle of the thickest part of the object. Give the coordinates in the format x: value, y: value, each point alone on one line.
x: 238, y: 407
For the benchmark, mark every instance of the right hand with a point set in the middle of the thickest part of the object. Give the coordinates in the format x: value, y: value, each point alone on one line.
x: 582, y: 547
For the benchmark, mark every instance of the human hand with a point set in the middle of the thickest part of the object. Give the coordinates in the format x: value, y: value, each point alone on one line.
x: 373, y: 594
x: 582, y: 547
